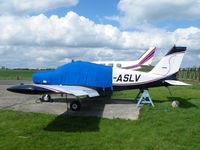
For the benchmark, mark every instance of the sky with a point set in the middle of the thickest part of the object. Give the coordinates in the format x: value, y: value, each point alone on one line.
x: 46, y: 34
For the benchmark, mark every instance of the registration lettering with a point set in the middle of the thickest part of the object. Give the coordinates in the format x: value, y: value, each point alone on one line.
x: 128, y: 78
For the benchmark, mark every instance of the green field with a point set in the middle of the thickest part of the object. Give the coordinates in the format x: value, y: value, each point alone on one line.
x: 19, y: 74
x: 160, y: 128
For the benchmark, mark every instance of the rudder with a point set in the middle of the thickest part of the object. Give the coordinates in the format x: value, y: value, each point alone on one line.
x: 170, y: 63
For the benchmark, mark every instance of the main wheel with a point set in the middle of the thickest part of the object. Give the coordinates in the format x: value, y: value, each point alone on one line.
x: 46, y: 98
x: 75, y: 105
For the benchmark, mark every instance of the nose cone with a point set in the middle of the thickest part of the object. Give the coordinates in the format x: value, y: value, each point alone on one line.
x: 11, y: 89
x: 28, y: 89
x: 16, y: 89
x: 23, y: 89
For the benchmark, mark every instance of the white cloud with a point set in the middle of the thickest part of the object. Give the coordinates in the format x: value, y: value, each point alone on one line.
x: 39, y: 41
x: 137, y: 12
x: 189, y: 36
x: 73, y: 31
x: 19, y: 7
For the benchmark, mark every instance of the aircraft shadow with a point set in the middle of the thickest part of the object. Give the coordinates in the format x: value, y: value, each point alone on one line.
x: 85, y: 120
x: 98, y: 101
x: 184, y: 103
x: 67, y: 123
x: 159, y: 101
x: 124, y: 101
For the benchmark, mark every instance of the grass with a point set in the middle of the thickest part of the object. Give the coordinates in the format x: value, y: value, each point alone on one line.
x: 161, y: 127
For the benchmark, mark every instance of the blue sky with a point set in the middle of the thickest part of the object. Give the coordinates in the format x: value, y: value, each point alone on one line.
x: 49, y: 33
x: 94, y: 10
x: 172, y: 25
x: 98, y: 10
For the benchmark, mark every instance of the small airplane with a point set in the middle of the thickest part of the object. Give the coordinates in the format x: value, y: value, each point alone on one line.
x: 106, y: 79
x: 144, y: 60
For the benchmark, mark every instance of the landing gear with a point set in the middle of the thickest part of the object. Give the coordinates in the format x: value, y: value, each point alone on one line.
x: 46, y: 98
x: 75, y: 105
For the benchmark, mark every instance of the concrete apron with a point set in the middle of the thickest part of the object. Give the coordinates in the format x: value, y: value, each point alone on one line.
x: 115, y: 108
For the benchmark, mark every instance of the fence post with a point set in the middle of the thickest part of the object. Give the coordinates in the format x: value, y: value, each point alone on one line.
x: 199, y: 74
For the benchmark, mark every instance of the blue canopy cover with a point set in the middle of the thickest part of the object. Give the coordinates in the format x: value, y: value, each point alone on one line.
x: 77, y: 73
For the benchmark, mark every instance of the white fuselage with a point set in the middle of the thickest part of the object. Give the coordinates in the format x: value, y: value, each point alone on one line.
x: 120, y: 64
x: 145, y: 59
x: 123, y: 77
x: 166, y: 67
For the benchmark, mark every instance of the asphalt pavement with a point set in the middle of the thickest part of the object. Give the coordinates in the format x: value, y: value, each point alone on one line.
x: 115, y: 108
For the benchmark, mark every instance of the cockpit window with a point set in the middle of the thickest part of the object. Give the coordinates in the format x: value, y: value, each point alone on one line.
x: 119, y: 65
x: 110, y: 64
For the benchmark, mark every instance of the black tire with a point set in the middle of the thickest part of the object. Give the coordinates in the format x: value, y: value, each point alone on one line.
x: 75, y: 105
x: 46, y: 98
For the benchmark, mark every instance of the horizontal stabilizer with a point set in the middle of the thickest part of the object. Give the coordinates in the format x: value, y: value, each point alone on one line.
x: 175, y: 82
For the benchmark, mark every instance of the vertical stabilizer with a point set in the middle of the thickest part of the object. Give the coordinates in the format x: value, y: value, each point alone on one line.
x: 147, y: 57
x: 170, y: 63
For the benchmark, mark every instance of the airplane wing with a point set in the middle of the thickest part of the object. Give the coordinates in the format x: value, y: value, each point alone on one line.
x: 44, y: 89
x: 175, y: 82
x: 74, y: 90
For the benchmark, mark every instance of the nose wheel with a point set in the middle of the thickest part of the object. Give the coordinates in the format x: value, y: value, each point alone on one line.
x: 46, y: 98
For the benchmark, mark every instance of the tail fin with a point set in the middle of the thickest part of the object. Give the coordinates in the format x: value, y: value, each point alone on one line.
x: 171, y: 62
x: 147, y: 57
